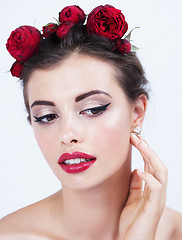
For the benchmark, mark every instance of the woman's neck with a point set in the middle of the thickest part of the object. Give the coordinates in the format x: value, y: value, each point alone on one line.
x: 94, y: 213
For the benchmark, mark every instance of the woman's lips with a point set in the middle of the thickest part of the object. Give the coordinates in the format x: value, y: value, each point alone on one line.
x: 76, y: 162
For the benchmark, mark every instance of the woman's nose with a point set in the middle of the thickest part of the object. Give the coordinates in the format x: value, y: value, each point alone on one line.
x: 68, y: 139
x: 71, y: 132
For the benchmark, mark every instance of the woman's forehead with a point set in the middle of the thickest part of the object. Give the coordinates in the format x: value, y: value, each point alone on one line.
x: 75, y: 71
x: 73, y: 77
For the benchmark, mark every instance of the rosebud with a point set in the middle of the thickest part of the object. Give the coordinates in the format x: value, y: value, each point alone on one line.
x: 72, y: 14
x: 49, y: 29
x: 123, y: 46
x: 63, y: 29
x: 16, y: 69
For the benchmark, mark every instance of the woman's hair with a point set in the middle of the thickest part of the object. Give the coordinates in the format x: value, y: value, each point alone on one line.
x: 129, y: 71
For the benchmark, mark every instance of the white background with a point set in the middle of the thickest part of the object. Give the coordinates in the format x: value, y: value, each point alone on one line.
x: 24, y: 174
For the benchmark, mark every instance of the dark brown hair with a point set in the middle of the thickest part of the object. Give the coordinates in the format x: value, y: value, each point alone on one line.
x: 129, y: 71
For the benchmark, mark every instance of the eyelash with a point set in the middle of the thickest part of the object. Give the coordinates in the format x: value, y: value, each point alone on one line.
x: 99, y: 110
x: 48, y: 118
x: 51, y: 117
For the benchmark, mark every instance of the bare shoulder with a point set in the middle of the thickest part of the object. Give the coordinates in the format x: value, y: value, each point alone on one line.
x: 170, y: 225
x: 27, y: 223
x: 20, y: 224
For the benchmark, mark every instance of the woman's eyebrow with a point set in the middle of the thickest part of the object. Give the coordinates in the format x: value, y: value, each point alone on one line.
x: 48, y: 103
x: 87, y: 94
x: 77, y: 99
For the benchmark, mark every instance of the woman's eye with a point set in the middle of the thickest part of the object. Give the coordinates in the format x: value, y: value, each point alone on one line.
x: 95, y: 111
x: 46, y: 118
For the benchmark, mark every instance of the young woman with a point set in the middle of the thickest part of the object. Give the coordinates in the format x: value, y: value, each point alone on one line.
x: 86, y: 97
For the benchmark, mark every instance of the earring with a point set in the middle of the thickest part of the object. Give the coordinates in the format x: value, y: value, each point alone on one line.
x: 137, y: 131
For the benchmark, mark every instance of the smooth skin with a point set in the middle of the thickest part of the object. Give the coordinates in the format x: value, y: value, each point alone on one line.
x: 106, y: 202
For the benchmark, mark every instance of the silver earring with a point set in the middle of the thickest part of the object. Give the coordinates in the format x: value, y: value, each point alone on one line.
x: 137, y: 131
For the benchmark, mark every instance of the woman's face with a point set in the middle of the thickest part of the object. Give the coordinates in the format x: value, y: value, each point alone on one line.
x: 78, y: 108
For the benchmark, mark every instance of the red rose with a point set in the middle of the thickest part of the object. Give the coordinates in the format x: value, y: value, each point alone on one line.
x: 107, y: 21
x: 23, y: 42
x: 72, y: 14
x: 63, y: 29
x: 16, y: 69
x: 123, y: 46
x: 49, y: 29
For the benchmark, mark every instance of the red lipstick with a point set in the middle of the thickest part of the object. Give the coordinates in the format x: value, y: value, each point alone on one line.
x: 76, y: 162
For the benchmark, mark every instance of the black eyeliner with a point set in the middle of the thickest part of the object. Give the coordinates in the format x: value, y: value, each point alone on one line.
x: 38, y: 119
x: 101, y: 108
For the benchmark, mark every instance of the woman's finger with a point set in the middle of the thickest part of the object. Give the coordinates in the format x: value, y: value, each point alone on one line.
x: 160, y: 171
x: 135, y: 189
x: 147, y: 167
x: 150, y: 180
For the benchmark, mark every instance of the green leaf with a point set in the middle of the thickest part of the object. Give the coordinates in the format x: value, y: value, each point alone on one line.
x: 134, y: 48
x: 128, y: 37
x: 56, y: 20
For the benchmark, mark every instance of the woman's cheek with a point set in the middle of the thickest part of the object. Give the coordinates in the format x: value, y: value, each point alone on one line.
x: 112, y: 136
x: 45, y: 143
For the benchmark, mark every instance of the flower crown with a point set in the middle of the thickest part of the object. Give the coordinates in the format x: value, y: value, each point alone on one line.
x: 106, y: 21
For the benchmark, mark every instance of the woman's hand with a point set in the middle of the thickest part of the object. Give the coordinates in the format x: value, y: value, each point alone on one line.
x: 143, y: 209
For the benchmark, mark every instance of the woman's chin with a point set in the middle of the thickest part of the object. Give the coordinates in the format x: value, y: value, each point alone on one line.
x: 85, y: 182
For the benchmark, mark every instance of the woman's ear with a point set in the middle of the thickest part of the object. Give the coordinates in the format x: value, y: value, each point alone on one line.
x: 139, y: 109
